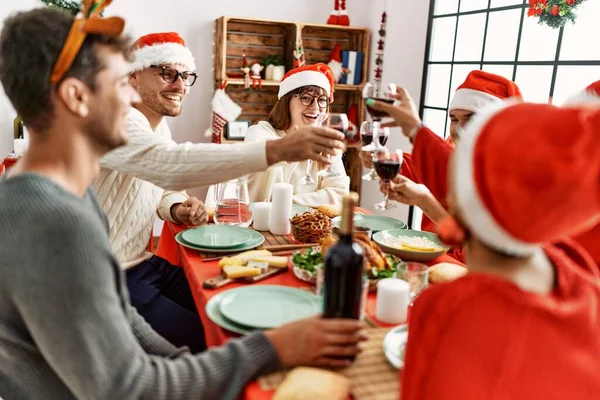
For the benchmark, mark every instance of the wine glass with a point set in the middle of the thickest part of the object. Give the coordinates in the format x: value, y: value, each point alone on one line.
x: 340, y: 123
x: 367, y: 137
x: 387, y: 165
x: 307, y: 179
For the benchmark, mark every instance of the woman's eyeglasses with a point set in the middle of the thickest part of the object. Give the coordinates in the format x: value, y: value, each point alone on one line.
x: 307, y: 100
x: 170, y: 75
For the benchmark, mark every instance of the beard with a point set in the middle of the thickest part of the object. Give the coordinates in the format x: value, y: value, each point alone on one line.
x: 154, y: 101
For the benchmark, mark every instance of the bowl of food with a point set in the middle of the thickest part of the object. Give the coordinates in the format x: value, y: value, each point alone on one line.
x: 411, y: 245
x: 306, y: 264
x: 311, y: 227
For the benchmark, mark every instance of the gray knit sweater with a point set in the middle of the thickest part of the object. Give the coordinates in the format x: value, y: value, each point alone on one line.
x: 66, y: 327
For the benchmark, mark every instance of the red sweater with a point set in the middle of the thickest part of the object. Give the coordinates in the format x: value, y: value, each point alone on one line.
x: 481, y: 337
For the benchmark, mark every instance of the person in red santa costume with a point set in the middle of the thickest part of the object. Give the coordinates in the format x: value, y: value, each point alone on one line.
x: 304, y: 93
x: 423, y: 179
x: 526, y: 314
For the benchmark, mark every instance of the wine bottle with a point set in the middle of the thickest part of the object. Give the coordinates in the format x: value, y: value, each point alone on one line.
x: 344, y: 264
x: 18, y: 128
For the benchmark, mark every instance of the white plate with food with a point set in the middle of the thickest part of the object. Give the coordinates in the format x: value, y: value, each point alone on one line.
x: 394, y: 345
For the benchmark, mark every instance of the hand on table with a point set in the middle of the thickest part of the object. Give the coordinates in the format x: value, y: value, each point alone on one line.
x: 405, y: 114
x: 191, y: 212
x: 317, y: 342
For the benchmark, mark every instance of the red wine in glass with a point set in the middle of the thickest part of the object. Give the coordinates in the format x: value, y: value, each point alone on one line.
x: 367, y: 139
x: 387, y: 169
x: 383, y: 138
x: 376, y: 114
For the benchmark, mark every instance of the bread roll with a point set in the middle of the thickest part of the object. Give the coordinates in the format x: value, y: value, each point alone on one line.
x: 329, y: 210
x: 304, y: 383
x: 446, y: 272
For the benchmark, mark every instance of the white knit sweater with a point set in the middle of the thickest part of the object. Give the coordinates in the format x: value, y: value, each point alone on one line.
x: 260, y: 184
x: 132, y: 178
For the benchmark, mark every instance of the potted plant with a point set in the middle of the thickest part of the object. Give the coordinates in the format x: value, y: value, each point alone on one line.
x: 274, y: 68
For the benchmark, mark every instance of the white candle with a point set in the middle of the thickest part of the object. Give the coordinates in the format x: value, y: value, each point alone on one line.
x: 393, y: 298
x: 262, y: 216
x: 281, y: 208
x: 20, y: 146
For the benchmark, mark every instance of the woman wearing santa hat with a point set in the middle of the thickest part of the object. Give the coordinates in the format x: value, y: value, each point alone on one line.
x: 526, y: 314
x: 427, y: 164
x: 304, y: 93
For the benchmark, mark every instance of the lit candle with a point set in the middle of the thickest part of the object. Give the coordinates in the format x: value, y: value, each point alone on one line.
x: 393, y: 298
x: 281, y: 208
x: 262, y: 216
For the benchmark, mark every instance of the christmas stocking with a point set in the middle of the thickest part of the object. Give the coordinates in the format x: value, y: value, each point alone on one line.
x: 224, y: 110
x: 344, y: 19
x: 334, y: 17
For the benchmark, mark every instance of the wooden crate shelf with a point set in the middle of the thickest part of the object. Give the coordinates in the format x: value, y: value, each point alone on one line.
x: 235, y: 37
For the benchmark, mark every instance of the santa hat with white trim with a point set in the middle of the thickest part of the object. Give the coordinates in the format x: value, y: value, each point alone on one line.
x: 482, y: 89
x: 589, y: 96
x: 544, y: 186
x: 161, y: 48
x: 309, y: 75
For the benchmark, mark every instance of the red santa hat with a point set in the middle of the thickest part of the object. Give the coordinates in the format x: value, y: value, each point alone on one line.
x: 589, y: 96
x: 543, y: 186
x: 161, y: 48
x: 482, y: 89
x: 309, y: 75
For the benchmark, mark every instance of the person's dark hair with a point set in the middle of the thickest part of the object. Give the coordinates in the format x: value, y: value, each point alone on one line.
x: 30, y: 43
x: 280, y: 117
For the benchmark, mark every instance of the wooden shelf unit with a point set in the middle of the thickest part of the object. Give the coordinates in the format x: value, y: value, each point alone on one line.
x: 259, y: 38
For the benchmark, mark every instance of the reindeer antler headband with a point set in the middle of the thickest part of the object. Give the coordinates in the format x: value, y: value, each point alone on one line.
x: 88, y: 22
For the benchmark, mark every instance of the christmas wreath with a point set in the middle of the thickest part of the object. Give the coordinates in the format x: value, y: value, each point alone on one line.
x: 554, y: 13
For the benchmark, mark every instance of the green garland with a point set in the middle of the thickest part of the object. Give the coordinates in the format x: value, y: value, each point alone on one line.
x: 554, y: 13
x: 71, y: 6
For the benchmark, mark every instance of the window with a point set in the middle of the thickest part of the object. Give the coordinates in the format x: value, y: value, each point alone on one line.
x: 497, y: 36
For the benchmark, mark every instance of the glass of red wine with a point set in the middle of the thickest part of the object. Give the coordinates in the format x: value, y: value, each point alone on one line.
x: 340, y: 123
x: 366, y: 135
x: 387, y: 165
x: 374, y: 91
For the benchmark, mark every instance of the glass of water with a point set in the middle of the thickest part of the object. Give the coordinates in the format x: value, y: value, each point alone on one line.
x: 417, y: 276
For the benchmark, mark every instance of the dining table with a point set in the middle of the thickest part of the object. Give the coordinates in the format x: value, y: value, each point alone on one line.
x: 198, y: 269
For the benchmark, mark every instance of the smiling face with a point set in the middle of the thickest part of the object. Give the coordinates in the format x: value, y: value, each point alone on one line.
x: 162, y: 98
x: 458, y: 119
x: 302, y: 114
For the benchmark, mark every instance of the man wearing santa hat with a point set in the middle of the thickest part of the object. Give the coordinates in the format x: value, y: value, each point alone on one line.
x: 130, y: 185
x: 526, y: 314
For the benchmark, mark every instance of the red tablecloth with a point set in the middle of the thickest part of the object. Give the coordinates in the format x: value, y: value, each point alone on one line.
x: 197, y: 272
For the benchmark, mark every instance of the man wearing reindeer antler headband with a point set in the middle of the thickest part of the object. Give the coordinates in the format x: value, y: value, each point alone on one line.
x: 67, y: 329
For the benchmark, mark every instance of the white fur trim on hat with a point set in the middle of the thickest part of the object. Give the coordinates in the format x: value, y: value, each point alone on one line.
x: 304, y: 78
x: 473, y: 211
x: 472, y: 100
x: 583, y: 98
x: 163, y: 53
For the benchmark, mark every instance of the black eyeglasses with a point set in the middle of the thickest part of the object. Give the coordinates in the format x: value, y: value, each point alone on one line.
x: 308, y: 99
x: 170, y: 75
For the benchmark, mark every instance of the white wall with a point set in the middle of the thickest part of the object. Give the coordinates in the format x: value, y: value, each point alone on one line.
x: 403, y: 65
x: 194, y: 20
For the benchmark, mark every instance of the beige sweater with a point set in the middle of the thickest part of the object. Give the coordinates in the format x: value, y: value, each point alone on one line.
x: 131, y: 182
x: 260, y: 184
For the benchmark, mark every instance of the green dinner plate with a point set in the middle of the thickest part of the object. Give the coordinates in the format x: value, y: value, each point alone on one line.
x: 296, y: 209
x: 394, y: 345
x: 374, y: 222
x: 214, y: 313
x: 217, y: 236
x: 406, y: 254
x: 268, y: 306
x: 257, y: 240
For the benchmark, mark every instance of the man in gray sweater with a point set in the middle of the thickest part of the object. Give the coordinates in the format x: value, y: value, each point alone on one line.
x: 67, y: 329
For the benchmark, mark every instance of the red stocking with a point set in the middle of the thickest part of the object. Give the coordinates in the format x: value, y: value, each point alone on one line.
x: 334, y: 17
x: 344, y: 20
